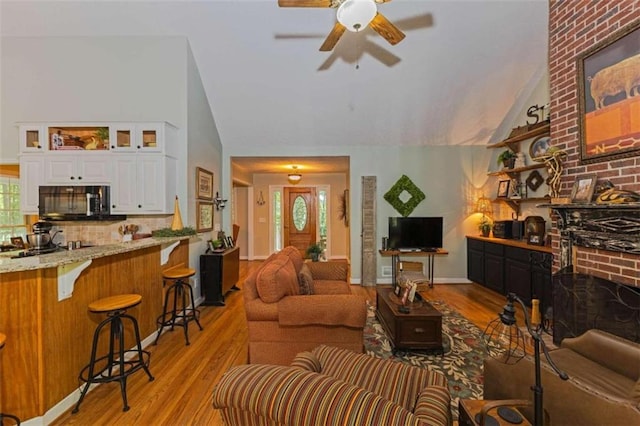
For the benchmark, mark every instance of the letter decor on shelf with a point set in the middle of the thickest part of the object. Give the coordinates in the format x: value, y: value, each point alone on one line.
x: 393, y: 196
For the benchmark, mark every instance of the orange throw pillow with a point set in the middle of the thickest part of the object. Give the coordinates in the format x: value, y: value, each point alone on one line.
x: 276, y: 280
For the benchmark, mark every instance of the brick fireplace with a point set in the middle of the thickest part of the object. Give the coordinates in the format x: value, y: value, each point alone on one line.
x: 575, y: 26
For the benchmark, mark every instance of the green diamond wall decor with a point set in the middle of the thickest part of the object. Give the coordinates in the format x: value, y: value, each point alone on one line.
x: 393, y: 196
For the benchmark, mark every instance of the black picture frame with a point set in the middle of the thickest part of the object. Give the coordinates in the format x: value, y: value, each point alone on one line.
x: 230, y: 242
x: 535, y: 239
x: 397, y: 289
x: 18, y: 242
x: 604, y: 106
x: 534, y: 180
x: 503, y: 188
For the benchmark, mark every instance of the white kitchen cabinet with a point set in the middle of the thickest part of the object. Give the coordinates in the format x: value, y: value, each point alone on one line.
x: 31, y: 177
x: 142, y: 137
x: 143, y: 184
x: 33, y: 138
x: 137, y: 159
x: 77, y: 169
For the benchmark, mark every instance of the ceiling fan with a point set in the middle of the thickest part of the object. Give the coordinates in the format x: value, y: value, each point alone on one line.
x: 352, y: 15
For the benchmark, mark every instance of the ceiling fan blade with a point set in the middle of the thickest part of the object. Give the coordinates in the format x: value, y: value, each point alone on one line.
x: 304, y: 3
x: 333, y: 37
x: 386, y: 29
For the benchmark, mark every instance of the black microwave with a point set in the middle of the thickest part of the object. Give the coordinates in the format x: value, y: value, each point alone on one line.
x: 75, y: 203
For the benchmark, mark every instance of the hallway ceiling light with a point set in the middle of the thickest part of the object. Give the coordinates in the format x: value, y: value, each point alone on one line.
x: 294, y: 177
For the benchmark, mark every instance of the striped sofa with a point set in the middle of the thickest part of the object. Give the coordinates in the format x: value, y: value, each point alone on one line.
x: 332, y: 386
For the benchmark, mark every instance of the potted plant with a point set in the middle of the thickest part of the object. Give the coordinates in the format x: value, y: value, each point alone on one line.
x: 314, y: 251
x: 102, y: 133
x: 507, y: 158
x: 485, y: 226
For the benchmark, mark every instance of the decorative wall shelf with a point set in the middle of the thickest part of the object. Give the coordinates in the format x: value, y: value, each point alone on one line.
x: 518, y: 135
x: 514, y: 203
x: 512, y: 141
x: 517, y: 170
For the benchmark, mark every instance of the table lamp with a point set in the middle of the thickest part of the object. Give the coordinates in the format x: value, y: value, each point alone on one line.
x: 505, y: 342
x: 483, y: 205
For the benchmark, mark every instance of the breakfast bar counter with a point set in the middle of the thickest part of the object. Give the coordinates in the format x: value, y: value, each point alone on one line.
x: 43, y: 313
x: 64, y: 257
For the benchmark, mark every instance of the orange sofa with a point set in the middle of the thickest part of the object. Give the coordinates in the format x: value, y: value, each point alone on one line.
x: 282, y: 322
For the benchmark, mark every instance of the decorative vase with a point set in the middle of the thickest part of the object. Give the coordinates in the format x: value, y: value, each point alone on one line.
x: 485, y: 231
x: 315, y: 257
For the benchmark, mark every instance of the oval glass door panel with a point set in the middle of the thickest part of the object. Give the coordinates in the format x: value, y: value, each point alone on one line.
x: 300, y: 213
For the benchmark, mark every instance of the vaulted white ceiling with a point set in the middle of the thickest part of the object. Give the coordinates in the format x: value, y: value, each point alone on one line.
x: 464, y: 68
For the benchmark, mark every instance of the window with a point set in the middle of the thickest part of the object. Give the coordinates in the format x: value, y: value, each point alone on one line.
x: 277, y: 220
x: 12, y: 222
x: 322, y: 215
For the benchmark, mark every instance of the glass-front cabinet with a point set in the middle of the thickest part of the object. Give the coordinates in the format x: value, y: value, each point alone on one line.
x: 32, y: 138
x: 136, y: 137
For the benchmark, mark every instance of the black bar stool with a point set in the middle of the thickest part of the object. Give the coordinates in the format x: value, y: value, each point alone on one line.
x: 181, y: 291
x: 115, y: 365
x: 4, y: 416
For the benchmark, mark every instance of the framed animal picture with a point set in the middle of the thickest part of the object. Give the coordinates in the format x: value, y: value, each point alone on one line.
x: 608, y: 75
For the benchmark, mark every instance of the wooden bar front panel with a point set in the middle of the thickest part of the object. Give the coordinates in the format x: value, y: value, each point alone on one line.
x: 49, y: 341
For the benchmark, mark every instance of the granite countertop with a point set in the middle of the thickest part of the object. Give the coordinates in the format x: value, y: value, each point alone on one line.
x: 64, y: 257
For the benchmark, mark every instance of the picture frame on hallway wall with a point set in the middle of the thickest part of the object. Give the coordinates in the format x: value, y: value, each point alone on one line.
x: 204, y: 184
x: 608, y: 96
x: 204, y: 216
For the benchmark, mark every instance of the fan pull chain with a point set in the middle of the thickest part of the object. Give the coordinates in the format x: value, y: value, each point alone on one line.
x: 358, y: 50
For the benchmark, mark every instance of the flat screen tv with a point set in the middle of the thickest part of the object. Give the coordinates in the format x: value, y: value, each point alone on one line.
x: 415, y: 233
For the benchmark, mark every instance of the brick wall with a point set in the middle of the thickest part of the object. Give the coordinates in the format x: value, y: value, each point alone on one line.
x: 575, y: 26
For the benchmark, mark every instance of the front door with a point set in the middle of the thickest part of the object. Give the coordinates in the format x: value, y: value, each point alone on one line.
x: 299, y: 217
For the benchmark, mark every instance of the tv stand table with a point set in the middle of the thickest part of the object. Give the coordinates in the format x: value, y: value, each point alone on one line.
x: 430, y: 255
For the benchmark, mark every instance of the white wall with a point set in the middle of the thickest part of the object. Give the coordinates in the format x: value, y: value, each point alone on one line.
x: 451, y: 178
x: 203, y: 149
x: 76, y: 79
x: 111, y: 79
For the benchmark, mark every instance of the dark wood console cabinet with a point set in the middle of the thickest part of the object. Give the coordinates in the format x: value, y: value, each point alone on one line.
x: 510, y: 266
x: 219, y: 273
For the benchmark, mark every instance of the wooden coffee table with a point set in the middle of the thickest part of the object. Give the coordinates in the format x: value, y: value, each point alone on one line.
x: 421, y: 328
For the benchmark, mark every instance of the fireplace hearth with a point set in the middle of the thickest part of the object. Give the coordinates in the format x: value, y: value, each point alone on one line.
x: 582, y: 302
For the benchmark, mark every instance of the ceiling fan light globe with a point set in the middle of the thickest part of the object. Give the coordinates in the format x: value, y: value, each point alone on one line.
x: 355, y: 15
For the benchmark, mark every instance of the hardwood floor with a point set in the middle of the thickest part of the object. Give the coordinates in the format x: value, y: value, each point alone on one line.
x: 185, y: 375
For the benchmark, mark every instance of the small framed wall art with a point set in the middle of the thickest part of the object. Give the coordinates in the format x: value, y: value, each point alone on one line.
x: 503, y: 189
x: 204, y: 184
x: 583, y: 188
x: 204, y: 216
x: 535, y: 239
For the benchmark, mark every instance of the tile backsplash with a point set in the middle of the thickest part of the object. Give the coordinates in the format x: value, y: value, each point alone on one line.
x: 99, y: 233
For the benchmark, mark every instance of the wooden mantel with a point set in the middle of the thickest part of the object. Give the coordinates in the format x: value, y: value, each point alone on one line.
x: 612, y: 227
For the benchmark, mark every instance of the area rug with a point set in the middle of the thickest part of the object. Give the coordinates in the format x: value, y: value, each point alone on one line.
x: 463, y: 353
